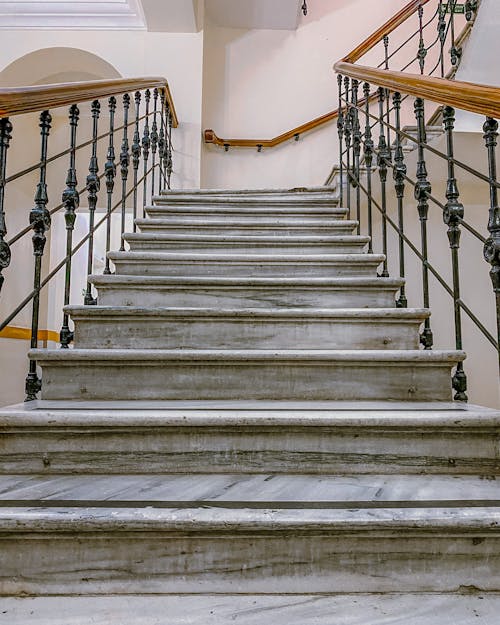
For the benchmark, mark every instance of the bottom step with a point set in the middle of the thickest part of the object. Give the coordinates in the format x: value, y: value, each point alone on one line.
x: 465, y: 608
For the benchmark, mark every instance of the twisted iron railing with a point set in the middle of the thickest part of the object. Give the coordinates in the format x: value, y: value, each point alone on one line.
x: 106, y: 106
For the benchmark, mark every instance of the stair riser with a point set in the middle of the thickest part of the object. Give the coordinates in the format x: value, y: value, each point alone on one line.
x: 247, y: 248
x: 256, y: 208
x: 119, y: 449
x: 268, y: 218
x: 188, y: 296
x: 164, y: 333
x: 286, y: 562
x: 278, y: 380
x: 276, y: 230
x: 129, y: 267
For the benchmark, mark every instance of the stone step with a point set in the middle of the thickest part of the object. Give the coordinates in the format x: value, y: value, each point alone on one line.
x: 224, y: 208
x: 258, y: 227
x: 383, y: 438
x: 465, y: 607
x: 169, y: 328
x: 281, y: 219
x: 246, y: 374
x: 302, y: 200
x: 245, y: 265
x: 151, y: 241
x: 243, y: 292
x: 81, y: 544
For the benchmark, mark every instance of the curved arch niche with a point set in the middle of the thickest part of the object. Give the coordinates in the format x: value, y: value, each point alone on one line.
x: 54, y: 65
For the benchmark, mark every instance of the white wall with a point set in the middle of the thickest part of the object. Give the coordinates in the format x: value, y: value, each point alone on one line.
x: 261, y: 83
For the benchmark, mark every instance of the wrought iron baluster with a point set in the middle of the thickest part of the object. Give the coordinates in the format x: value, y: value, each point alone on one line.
x: 40, y: 222
x: 422, y: 190
x: 71, y: 200
x: 368, y: 153
x: 384, y: 155
x: 356, y: 136
x: 340, y: 131
x: 110, y: 173
x: 455, y: 53
x: 492, y: 246
x: 347, y: 137
x: 399, y: 173
x: 453, y: 213
x: 441, y: 27
x: 422, y: 50
x: 154, y: 140
x: 170, y: 160
x: 93, y: 187
x: 136, y: 153
x: 5, y: 137
x: 124, y: 164
x: 161, y: 142
x: 471, y: 7
x: 146, y: 144
x: 387, y: 96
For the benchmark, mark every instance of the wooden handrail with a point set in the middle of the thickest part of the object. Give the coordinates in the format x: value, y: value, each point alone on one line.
x: 468, y: 96
x: 386, y: 29
x: 19, y: 100
x: 211, y: 137
x: 369, y: 43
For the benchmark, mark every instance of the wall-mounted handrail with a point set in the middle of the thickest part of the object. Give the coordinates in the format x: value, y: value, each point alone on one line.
x: 363, y: 48
x: 468, y: 96
x: 35, y: 98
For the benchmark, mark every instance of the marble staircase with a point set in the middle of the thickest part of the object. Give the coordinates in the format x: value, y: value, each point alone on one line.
x: 246, y: 430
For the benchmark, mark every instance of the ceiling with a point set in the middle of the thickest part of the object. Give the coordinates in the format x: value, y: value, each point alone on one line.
x: 153, y: 15
x: 272, y: 14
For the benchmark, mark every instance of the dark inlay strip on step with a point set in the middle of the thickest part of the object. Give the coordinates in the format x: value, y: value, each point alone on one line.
x: 255, y: 505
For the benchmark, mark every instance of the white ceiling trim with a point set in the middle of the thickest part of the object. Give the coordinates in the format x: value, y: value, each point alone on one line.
x: 74, y: 15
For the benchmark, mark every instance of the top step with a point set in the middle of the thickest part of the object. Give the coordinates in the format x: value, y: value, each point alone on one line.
x: 317, y: 198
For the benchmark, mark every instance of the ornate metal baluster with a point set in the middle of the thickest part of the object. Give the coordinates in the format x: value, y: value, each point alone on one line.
x: 387, y: 96
x: 347, y: 136
x: 136, y: 153
x: 442, y: 33
x: 471, y: 7
x: 93, y: 187
x: 170, y: 161
x: 5, y: 137
x: 71, y: 200
x: 453, y: 213
x: 161, y: 142
x: 492, y: 245
x: 124, y: 164
x: 422, y: 191
x: 384, y: 155
x: 399, y: 173
x: 40, y: 222
x: 146, y: 143
x: 154, y: 140
x: 356, y: 136
x: 422, y: 51
x: 110, y: 173
x: 368, y: 153
x: 455, y: 53
x: 340, y: 131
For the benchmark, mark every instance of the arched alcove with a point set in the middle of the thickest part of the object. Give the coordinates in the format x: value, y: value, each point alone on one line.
x: 54, y: 65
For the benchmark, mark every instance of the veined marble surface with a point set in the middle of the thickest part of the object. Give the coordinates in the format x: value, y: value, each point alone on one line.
x: 274, y: 490
x: 356, y: 609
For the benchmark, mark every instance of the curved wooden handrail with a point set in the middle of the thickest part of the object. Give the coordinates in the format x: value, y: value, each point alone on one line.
x: 369, y: 43
x: 19, y: 100
x: 468, y: 96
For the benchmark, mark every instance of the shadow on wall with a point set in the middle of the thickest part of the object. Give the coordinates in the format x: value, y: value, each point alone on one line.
x: 54, y: 65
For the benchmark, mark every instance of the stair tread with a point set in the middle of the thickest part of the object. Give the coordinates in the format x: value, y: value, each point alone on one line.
x: 246, y: 281
x: 258, y: 490
x: 462, y: 608
x: 482, y: 519
x: 279, y: 313
x: 333, y: 238
x: 246, y: 258
x: 217, y: 413
x: 250, y: 355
